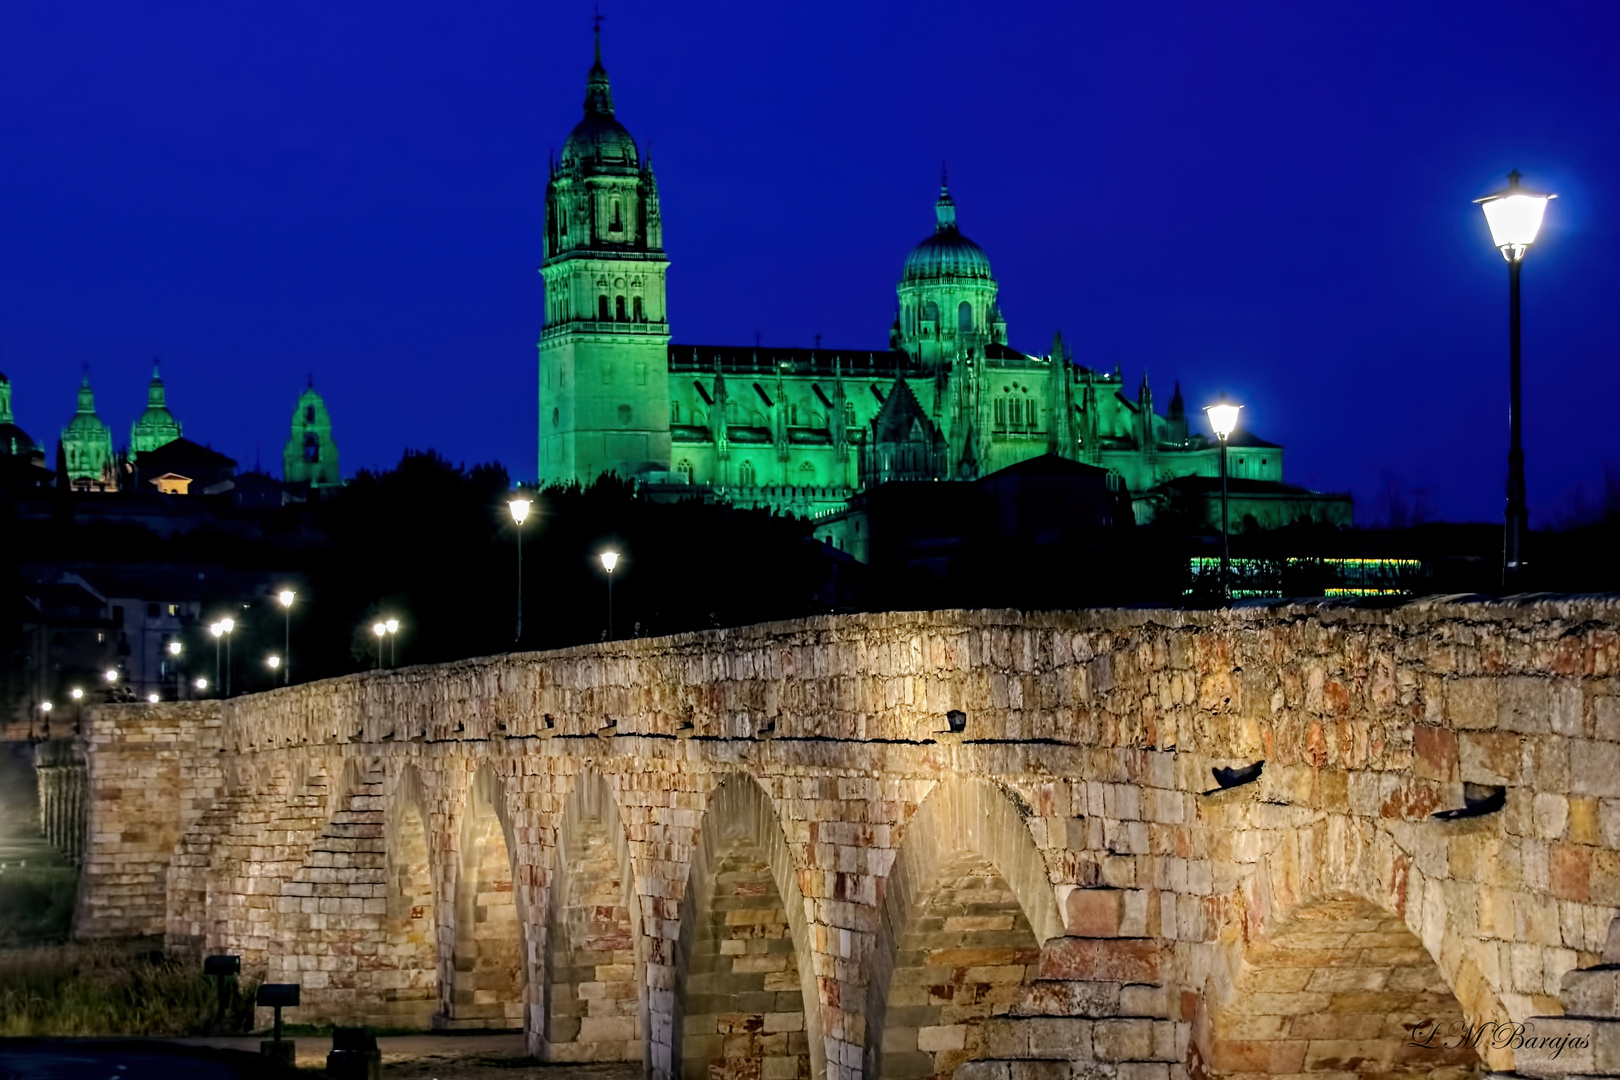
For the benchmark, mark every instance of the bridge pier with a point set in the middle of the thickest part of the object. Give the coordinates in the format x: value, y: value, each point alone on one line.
x: 770, y: 854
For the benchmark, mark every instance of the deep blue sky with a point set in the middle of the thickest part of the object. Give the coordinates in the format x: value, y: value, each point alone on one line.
x: 1271, y: 199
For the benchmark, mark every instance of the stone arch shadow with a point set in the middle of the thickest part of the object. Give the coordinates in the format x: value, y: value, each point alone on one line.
x: 591, y: 1004
x: 964, y: 826
x: 747, y: 984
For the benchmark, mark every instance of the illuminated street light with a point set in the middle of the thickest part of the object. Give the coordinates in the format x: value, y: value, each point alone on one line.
x: 392, y: 626
x: 379, y: 629
x: 610, y: 559
x: 202, y: 683
x: 1514, y: 215
x: 286, y: 596
x: 1223, y: 418
x: 174, y: 648
x: 519, y: 506
x: 222, y: 629
x: 111, y: 675
x: 153, y: 698
x: 76, y: 693
x: 273, y: 660
x: 45, y: 706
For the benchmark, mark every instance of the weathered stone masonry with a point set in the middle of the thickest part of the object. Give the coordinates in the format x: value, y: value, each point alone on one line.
x: 761, y: 854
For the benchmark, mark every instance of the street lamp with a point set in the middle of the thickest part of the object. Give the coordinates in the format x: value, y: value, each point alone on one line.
x: 1514, y: 215
x: 273, y: 662
x: 519, y: 506
x: 111, y: 675
x: 610, y: 559
x: 379, y: 629
x: 77, y: 695
x: 174, y: 648
x: 392, y: 626
x: 1223, y: 417
x: 153, y: 698
x: 202, y: 683
x: 287, y: 596
x: 222, y: 629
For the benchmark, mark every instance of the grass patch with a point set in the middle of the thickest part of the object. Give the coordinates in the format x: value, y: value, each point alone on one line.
x: 36, y: 904
x: 103, y: 989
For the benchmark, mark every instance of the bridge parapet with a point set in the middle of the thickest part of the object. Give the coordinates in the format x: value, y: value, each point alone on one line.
x: 786, y: 836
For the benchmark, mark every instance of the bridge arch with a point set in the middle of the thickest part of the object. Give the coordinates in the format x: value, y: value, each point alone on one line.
x: 411, y: 920
x: 746, y: 1004
x: 593, y: 1007
x: 964, y: 913
x: 489, y: 969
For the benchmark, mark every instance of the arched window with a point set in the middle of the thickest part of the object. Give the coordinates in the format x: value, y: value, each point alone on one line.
x: 639, y: 313
x: 618, y: 308
x: 964, y: 316
x: 562, y: 221
x: 745, y: 474
x: 684, y: 468
x: 309, y: 414
x: 931, y: 316
x: 618, y: 222
x: 312, y: 447
x: 674, y: 412
x: 1001, y: 412
x: 602, y: 307
x: 1029, y: 411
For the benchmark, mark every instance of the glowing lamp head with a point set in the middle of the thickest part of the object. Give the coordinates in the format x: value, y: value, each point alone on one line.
x: 273, y: 661
x: 174, y: 648
x: 153, y: 698
x: 379, y: 628
x: 1514, y: 215
x: 610, y: 559
x: 111, y: 675
x: 520, y: 509
x: 286, y: 596
x: 45, y: 706
x: 1223, y: 418
x: 392, y: 625
x: 76, y: 693
x: 202, y: 684
x: 216, y: 629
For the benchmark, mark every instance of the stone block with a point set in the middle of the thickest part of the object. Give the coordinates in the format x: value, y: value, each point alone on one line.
x: 1094, y: 913
x: 1123, y: 960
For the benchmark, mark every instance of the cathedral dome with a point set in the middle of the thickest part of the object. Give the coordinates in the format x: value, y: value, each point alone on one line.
x: 946, y: 254
x: 157, y: 424
x: 599, y: 139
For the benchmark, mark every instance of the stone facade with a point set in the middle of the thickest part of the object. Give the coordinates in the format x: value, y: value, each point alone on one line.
x: 774, y: 852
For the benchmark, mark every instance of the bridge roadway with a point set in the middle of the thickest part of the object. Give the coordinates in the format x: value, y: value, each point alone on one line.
x: 765, y: 854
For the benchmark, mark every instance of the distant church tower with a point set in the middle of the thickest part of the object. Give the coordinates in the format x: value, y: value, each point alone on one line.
x: 311, y: 457
x: 604, y: 360
x: 87, y: 445
x: 157, y: 425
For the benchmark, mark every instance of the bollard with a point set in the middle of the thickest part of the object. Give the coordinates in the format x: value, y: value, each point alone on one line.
x: 221, y: 968
x: 279, y: 996
x: 354, y: 1055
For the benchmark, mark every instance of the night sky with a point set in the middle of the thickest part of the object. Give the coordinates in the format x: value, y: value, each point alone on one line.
x: 1267, y: 199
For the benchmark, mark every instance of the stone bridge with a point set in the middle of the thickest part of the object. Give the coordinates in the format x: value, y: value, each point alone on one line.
x: 981, y: 845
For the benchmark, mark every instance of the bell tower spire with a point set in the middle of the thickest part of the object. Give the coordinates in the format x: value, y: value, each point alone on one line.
x: 598, y: 94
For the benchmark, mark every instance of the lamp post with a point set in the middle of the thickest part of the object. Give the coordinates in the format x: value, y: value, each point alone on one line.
x: 286, y: 596
x: 379, y: 629
x: 392, y: 626
x: 610, y: 559
x: 78, y: 707
x: 1223, y: 421
x: 222, y: 629
x: 1514, y: 215
x: 273, y: 662
x: 519, y: 506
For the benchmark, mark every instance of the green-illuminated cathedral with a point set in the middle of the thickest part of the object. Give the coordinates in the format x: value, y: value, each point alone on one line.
x: 803, y: 430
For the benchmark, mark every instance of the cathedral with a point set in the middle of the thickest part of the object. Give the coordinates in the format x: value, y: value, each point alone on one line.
x: 804, y: 430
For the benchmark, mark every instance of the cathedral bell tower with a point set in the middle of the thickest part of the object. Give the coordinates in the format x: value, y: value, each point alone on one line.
x: 604, y: 364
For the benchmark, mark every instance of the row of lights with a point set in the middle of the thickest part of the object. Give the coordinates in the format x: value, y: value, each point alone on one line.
x: 519, y: 506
